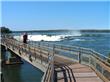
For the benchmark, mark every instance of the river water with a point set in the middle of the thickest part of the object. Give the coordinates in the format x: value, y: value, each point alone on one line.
x: 21, y: 72
x: 99, y: 42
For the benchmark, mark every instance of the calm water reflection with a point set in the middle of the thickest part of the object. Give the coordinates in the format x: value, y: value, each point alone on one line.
x: 22, y: 73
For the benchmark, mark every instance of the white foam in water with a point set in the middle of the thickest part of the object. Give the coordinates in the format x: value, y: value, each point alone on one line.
x: 41, y: 38
x: 78, y: 40
x: 47, y: 38
x: 19, y: 38
x: 44, y: 38
x: 75, y: 33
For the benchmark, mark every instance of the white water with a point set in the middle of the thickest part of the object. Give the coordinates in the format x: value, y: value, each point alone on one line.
x: 47, y: 38
x: 42, y: 37
x: 78, y: 40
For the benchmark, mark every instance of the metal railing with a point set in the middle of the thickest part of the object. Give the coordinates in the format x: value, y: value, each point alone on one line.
x: 95, y: 60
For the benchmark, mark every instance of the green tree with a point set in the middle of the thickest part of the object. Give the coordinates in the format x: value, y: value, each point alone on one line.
x: 5, y: 30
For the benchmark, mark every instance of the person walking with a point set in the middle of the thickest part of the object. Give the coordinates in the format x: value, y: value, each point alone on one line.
x: 25, y: 37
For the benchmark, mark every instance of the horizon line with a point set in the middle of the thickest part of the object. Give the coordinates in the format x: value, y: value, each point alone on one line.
x: 55, y: 0
x: 64, y: 30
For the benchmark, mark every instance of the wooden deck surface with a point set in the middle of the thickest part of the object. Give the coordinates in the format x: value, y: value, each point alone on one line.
x: 68, y: 71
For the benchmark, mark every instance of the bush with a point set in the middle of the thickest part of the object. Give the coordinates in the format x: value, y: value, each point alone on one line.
x: 5, y: 30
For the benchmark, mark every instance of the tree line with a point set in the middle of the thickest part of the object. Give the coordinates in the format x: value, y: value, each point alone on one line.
x: 5, y: 30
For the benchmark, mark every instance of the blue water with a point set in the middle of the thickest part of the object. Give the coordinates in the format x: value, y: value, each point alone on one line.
x: 99, y: 42
x: 21, y: 72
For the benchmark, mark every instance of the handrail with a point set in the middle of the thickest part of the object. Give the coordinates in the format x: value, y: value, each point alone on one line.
x: 44, y: 78
x: 72, y: 47
x: 78, y: 49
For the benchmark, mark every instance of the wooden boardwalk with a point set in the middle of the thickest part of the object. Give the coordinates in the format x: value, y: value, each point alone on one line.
x: 69, y: 71
x: 76, y: 73
x: 61, y: 68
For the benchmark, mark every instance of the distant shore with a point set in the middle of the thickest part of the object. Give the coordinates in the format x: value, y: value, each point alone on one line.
x: 60, y: 30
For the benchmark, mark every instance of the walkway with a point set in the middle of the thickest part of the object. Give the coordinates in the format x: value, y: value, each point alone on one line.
x: 76, y: 73
x: 82, y: 67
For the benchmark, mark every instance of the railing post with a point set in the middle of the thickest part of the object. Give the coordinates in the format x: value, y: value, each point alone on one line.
x: 89, y: 60
x: 47, y: 44
x: 52, y: 64
x: 79, y: 56
x: 102, y: 71
x: 40, y: 52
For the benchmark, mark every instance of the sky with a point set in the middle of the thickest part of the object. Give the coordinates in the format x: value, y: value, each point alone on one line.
x: 48, y: 15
